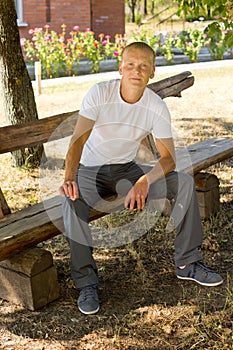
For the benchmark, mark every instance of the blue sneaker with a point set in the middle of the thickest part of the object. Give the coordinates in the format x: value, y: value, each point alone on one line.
x: 88, y: 301
x: 199, y: 273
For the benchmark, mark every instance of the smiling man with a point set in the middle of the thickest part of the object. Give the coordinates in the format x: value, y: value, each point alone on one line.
x: 114, y: 118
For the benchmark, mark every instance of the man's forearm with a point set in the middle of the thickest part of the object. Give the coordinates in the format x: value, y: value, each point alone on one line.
x: 161, y: 168
x: 72, y: 161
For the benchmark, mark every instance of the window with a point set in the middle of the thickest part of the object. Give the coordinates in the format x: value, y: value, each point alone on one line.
x: 19, y: 10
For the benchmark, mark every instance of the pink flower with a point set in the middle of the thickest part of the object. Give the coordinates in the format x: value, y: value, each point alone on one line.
x: 76, y: 28
x: 107, y: 36
x: 116, y: 54
x: 204, y: 36
x: 31, y: 31
x: 22, y: 41
x: 104, y: 42
x: 88, y: 29
x: 38, y: 30
x: 46, y: 26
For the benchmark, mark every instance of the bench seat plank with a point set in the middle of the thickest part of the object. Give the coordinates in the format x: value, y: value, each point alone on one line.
x: 201, y: 155
x: 204, y: 154
x: 30, y: 226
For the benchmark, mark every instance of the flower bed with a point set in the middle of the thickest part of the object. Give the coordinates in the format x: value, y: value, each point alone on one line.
x: 80, y: 52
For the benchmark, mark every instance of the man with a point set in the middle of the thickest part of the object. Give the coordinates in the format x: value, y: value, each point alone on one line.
x: 114, y: 117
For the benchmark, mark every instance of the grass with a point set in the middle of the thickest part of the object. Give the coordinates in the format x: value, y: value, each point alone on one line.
x: 143, y: 305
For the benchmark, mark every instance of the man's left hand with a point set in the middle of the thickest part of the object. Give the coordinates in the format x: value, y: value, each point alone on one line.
x: 136, y: 197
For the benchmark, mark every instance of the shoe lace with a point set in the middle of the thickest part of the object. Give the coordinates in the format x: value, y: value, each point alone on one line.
x: 203, y: 268
x: 89, y: 292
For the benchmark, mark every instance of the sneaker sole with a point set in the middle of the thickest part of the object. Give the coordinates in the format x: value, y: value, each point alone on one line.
x: 201, y: 283
x: 89, y: 312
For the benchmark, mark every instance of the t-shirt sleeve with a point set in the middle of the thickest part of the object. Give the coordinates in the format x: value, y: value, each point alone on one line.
x: 90, y: 105
x: 162, y: 126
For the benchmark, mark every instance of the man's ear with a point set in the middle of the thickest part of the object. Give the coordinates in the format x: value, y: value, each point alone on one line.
x: 153, y: 73
x: 120, y: 68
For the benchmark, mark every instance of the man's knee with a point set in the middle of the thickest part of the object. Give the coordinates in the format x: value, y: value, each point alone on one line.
x: 185, y: 177
x: 185, y: 180
x: 180, y: 184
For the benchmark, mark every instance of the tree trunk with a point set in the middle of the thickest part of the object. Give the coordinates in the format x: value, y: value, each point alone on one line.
x: 18, y: 96
x: 152, y: 7
x: 145, y: 7
x: 132, y: 6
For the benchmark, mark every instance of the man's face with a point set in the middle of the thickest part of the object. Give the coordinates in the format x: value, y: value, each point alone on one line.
x: 137, y: 67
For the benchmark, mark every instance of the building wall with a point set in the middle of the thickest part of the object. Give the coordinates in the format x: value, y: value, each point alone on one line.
x: 55, y: 13
x: 108, y: 17
x: 102, y: 16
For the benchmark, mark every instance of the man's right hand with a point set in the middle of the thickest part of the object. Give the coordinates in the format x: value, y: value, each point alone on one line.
x: 69, y: 189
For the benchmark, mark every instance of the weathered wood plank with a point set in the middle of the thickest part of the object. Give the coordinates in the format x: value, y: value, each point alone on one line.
x: 170, y: 81
x: 204, y: 154
x: 14, y: 137
x: 4, y: 208
x: 173, y: 86
x: 201, y: 155
x: 36, y: 224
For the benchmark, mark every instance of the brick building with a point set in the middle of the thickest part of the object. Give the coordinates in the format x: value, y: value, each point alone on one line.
x: 102, y: 16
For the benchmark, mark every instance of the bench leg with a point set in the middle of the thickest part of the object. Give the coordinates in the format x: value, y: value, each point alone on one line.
x: 29, y: 278
x: 207, y: 188
x: 4, y: 208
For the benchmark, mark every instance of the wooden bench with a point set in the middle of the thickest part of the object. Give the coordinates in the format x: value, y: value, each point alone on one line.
x: 30, y: 226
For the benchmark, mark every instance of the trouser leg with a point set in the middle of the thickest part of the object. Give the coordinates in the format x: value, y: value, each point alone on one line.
x: 180, y: 190
x: 76, y: 221
x: 82, y: 263
x: 189, y: 232
x: 93, y: 183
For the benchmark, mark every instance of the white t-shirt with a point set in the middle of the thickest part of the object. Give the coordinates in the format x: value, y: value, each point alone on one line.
x: 120, y: 126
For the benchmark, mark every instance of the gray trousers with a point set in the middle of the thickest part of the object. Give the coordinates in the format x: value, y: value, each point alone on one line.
x: 97, y: 182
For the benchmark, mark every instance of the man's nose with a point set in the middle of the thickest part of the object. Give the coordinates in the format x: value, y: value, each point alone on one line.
x: 138, y: 68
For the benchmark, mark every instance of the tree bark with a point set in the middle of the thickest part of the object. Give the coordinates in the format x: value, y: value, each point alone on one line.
x: 152, y: 7
x: 132, y: 6
x: 18, y: 96
x: 145, y: 7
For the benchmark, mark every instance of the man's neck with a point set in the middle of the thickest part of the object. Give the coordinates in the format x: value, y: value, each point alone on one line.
x: 131, y: 95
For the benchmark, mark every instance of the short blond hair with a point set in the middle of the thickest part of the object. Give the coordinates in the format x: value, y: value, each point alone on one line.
x: 139, y: 45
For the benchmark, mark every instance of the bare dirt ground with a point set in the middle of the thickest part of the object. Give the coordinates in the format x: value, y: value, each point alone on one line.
x: 143, y: 304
